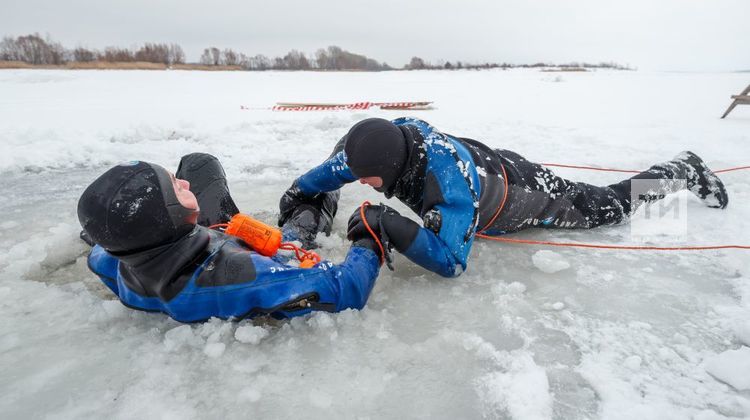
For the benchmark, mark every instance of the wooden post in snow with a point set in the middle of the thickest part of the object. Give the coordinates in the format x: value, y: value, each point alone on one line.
x: 741, y: 99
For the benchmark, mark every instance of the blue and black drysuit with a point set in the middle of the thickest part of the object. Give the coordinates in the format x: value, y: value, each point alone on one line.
x: 459, y: 187
x: 207, y: 273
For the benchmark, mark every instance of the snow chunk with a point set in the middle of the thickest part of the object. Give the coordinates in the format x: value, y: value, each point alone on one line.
x: 180, y: 336
x: 214, y: 350
x: 633, y: 362
x: 732, y: 367
x: 549, y: 261
x: 523, y: 392
x: 250, y: 334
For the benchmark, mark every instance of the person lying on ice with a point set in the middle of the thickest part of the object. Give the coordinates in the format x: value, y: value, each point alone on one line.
x: 460, y: 187
x: 153, y: 249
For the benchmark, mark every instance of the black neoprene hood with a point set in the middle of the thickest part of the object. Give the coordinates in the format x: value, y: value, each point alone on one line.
x: 133, y: 207
x: 376, y: 147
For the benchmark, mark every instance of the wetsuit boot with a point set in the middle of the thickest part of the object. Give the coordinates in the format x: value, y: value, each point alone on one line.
x: 209, y: 184
x: 702, y: 182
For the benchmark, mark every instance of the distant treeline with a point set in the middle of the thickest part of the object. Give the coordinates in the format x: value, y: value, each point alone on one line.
x: 331, y: 58
x: 33, y: 49
x: 417, y: 63
x: 37, y: 51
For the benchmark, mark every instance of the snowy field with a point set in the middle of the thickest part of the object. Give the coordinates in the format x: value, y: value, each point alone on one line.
x: 525, y: 333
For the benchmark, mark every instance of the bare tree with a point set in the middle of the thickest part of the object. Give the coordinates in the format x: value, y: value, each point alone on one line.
x: 82, y: 54
x: 153, y: 53
x: 117, y: 55
x: 416, y: 63
x: 260, y: 62
x: 215, y: 56
x: 231, y: 58
x: 206, y: 57
x: 295, y: 60
x: 32, y: 49
x: 176, y: 54
x: 211, y: 56
x: 9, y: 50
x: 321, y: 59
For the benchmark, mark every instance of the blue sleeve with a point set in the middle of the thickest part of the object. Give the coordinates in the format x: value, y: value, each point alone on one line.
x: 274, y: 288
x: 446, y: 253
x: 328, y: 176
x: 430, y: 252
x: 329, y: 287
x: 347, y: 285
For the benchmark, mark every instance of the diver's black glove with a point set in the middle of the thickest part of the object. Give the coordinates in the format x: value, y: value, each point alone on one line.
x: 370, y: 244
x: 374, y: 215
x: 324, y: 205
x: 377, y: 218
x: 293, y: 197
x: 392, y: 229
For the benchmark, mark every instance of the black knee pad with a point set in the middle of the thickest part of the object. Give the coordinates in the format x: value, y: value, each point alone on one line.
x: 209, y: 184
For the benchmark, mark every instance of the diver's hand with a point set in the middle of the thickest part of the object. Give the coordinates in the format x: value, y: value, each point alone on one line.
x: 292, y: 198
x: 377, y: 218
x: 374, y: 216
x: 370, y: 244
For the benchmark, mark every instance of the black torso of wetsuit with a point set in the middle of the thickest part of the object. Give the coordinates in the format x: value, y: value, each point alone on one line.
x: 535, y: 196
x: 422, y: 192
x: 164, y: 271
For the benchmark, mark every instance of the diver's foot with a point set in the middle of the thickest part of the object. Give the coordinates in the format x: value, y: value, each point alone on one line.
x: 703, y: 182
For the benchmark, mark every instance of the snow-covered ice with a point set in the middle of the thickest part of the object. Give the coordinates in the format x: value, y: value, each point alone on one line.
x: 549, y: 261
x: 732, y: 367
x: 618, y: 335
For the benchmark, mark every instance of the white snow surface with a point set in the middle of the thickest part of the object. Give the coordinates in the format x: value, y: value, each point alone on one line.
x: 732, y: 367
x: 617, y: 335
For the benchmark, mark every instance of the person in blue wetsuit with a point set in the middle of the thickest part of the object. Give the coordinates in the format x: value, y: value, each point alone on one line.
x: 152, y: 248
x: 459, y: 187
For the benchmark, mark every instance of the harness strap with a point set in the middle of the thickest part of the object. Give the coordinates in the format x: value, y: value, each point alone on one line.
x: 502, y: 202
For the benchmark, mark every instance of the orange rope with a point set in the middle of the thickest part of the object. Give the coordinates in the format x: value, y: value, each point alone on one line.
x: 591, y: 168
x: 600, y: 246
x: 630, y: 171
x: 737, y: 168
x: 502, y: 202
x: 372, y: 232
x: 301, y: 253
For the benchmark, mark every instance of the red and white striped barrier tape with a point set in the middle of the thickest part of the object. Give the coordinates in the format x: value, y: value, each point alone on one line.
x: 294, y: 106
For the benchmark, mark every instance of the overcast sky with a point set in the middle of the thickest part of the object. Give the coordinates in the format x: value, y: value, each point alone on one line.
x: 648, y: 34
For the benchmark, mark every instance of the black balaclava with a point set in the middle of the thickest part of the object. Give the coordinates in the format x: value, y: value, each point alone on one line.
x: 133, y: 207
x: 376, y: 147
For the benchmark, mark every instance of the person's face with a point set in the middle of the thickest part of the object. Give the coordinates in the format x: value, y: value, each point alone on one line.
x: 373, y: 181
x: 183, y: 193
